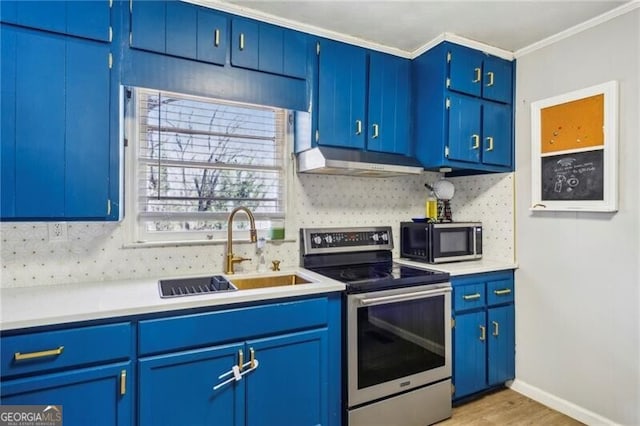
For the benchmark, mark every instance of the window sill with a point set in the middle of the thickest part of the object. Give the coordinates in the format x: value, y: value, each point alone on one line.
x: 154, y: 244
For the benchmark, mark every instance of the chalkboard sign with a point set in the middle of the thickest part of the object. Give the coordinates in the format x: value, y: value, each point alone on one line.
x: 574, y: 176
x: 574, y: 151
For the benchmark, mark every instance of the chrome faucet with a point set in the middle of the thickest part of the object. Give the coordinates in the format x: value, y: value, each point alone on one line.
x: 230, y: 260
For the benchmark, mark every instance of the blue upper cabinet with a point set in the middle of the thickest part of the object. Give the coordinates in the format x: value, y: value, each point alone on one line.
x: 363, y: 99
x: 268, y: 48
x: 341, y: 95
x: 245, y: 43
x: 148, y: 29
x: 462, y: 110
x: 478, y: 74
x: 86, y: 19
x: 213, y: 37
x: 56, y: 98
x: 179, y: 29
x: 389, y: 107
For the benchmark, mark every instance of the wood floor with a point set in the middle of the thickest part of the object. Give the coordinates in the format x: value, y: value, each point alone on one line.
x: 506, y: 407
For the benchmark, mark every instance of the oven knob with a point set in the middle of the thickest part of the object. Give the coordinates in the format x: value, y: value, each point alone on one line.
x: 375, y: 237
x: 317, y: 240
x: 385, y: 237
x: 328, y: 239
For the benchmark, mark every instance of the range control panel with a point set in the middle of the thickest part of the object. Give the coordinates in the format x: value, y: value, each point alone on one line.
x: 343, y: 239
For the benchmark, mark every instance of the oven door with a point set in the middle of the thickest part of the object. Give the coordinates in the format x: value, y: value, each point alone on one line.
x: 397, y: 340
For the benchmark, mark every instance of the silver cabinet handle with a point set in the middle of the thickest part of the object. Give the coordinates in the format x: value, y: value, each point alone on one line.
x: 216, y: 38
x: 241, y: 41
x: 471, y: 296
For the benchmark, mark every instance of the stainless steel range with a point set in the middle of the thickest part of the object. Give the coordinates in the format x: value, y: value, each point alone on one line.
x: 397, y: 335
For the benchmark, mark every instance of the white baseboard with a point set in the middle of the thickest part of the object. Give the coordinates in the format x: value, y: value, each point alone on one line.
x: 565, y: 407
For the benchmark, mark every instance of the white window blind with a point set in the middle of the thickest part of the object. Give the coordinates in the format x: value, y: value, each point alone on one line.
x: 199, y: 158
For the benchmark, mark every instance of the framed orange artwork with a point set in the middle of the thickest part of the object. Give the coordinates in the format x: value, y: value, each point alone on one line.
x: 574, y: 151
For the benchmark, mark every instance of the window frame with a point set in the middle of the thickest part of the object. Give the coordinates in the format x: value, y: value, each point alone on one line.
x: 136, y: 235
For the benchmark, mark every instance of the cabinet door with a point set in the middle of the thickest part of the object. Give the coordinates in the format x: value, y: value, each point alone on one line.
x: 177, y: 389
x: 341, y: 95
x: 213, y: 37
x: 39, y: 141
x: 295, y: 54
x: 100, y: 396
x: 270, y: 49
x: 501, y: 336
x: 244, y: 43
x: 388, y: 118
x: 496, y: 129
x: 148, y: 26
x: 469, y: 354
x: 290, y: 385
x: 181, y: 30
x: 497, y: 83
x: 87, y: 141
x: 465, y: 70
x: 89, y: 19
x: 8, y: 77
x: 464, y: 128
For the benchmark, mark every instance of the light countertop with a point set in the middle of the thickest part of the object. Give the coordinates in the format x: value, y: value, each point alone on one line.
x: 57, y: 304
x: 463, y: 268
x: 25, y: 307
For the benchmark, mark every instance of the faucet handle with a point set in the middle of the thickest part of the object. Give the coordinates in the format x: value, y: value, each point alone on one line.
x: 275, y: 265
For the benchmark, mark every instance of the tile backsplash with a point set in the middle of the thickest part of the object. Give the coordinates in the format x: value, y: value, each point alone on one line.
x: 94, y: 251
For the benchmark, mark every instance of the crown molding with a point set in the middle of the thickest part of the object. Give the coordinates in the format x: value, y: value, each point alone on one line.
x: 310, y: 29
x: 454, y: 38
x: 593, y: 22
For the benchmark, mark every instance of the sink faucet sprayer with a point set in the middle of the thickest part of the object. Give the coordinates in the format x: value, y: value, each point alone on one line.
x: 231, y: 259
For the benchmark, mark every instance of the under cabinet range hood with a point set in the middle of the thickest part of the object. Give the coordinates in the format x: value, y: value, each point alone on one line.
x: 340, y: 161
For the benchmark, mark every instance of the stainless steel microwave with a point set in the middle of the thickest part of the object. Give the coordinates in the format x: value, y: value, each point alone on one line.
x: 441, y: 242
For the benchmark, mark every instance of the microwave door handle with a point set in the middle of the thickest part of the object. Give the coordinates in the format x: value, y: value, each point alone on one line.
x: 475, y: 247
x: 404, y: 296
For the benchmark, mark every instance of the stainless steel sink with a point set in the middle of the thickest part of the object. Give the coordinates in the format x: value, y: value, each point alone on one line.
x: 268, y: 281
x: 178, y: 287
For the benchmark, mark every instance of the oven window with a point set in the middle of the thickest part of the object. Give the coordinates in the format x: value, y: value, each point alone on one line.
x: 399, y: 339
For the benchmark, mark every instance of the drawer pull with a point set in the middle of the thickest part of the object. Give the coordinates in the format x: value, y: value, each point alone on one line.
x: 41, y: 354
x: 502, y: 292
x: 471, y: 296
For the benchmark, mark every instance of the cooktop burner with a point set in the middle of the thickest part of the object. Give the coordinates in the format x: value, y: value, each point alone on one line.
x: 381, y: 276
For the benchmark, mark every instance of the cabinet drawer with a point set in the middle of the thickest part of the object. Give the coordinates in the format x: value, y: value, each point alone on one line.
x: 500, y: 291
x: 469, y: 296
x: 50, y: 350
x: 191, y: 331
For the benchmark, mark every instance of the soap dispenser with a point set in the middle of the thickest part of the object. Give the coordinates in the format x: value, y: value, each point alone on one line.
x: 260, y: 245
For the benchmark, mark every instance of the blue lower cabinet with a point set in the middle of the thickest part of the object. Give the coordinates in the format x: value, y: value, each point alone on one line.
x: 178, y: 389
x: 290, y: 385
x: 470, y: 354
x: 484, y: 332
x: 501, y: 351
x: 97, y: 396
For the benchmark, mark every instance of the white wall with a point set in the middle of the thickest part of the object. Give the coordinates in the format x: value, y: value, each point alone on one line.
x: 578, y: 297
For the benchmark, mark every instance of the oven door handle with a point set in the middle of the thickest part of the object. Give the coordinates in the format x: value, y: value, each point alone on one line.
x: 404, y: 296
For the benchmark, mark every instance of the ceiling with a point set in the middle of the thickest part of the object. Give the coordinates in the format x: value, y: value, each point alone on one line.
x: 407, y: 26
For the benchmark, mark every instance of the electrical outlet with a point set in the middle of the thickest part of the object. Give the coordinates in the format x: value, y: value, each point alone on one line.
x: 57, y: 231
